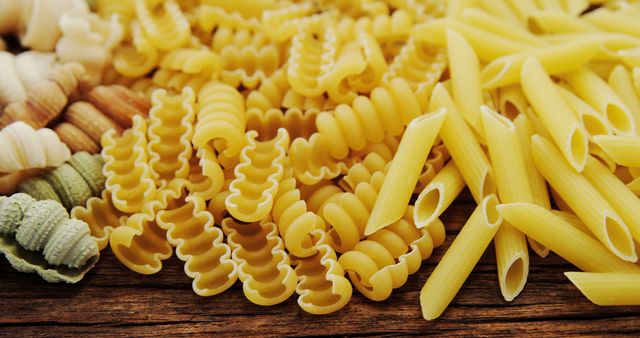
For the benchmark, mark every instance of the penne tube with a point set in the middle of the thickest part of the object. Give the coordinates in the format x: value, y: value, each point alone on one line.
x: 621, y: 83
x: 575, y: 7
x: 459, y: 260
x: 513, y: 186
x: 630, y: 57
x: 634, y: 186
x: 438, y: 195
x: 555, y: 113
x: 613, y: 22
x: 600, y: 155
x: 509, y: 29
x: 574, y: 221
x: 488, y: 46
x: 573, y: 245
x: 555, y: 59
x: 607, y: 289
x: 623, y: 149
x: 463, y: 146
x: 608, y: 48
x: 623, y: 201
x: 592, y: 208
x: 404, y: 170
x: 592, y: 121
x: 595, y: 91
x: 523, y: 8
x: 549, y: 5
x: 456, y: 7
x: 464, y: 70
x: 511, y: 101
x: 560, y: 203
x: 500, y: 10
x: 537, y: 184
x: 556, y: 22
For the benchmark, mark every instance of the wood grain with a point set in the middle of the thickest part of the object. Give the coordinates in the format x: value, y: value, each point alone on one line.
x: 112, y: 300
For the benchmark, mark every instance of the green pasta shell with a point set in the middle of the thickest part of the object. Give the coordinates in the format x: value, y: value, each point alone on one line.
x: 12, y: 210
x: 70, y: 244
x: 90, y: 168
x: 39, y: 189
x: 69, y: 185
x: 39, y: 221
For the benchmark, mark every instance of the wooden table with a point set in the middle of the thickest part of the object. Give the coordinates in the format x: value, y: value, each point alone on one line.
x: 112, y: 300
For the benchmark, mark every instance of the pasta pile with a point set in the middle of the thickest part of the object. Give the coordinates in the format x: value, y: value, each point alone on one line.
x: 310, y: 147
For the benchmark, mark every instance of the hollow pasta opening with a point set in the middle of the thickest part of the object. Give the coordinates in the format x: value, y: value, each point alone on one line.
x: 510, y: 110
x: 428, y: 203
x: 619, y: 119
x: 515, y: 278
x: 619, y: 239
x: 534, y: 26
x: 488, y: 184
x: 594, y: 125
x: 579, y: 149
x: 493, y: 72
x: 491, y: 212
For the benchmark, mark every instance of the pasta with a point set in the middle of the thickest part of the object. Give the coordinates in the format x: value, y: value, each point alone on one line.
x: 621, y: 83
x: 129, y: 177
x: 248, y: 65
x: 23, y: 147
x: 607, y: 289
x: 257, y: 177
x: 570, y: 243
x: 463, y: 147
x: 598, y: 94
x: 138, y: 59
x: 322, y: 287
x: 593, y: 122
x: 384, y: 260
x: 404, y: 170
x: 101, y: 216
x: 11, y: 89
x: 438, y: 195
x: 583, y: 199
x: 169, y: 133
x: 198, y: 243
x: 263, y: 265
x: 119, y: 103
x: 555, y: 113
x: 622, y: 149
x: 312, y: 55
x: 164, y: 23
x: 463, y: 254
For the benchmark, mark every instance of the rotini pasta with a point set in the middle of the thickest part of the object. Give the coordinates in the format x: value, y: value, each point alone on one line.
x: 263, y: 265
x: 257, y: 177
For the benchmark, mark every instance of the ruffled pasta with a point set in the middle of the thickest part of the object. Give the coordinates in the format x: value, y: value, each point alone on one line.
x: 263, y: 264
x: 257, y: 177
x: 169, y: 133
x: 249, y: 65
x: 296, y: 122
x: 163, y: 22
x: 22, y: 147
x: 139, y: 58
x: 192, y: 61
x: 127, y: 169
x: 101, y: 216
x: 387, y: 257
x: 312, y: 161
x: 175, y: 81
x: 322, y: 287
x: 198, y: 243
x: 282, y: 24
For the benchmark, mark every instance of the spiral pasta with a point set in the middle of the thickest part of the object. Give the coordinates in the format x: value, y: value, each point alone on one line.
x: 175, y: 81
x: 22, y: 147
x: 311, y: 58
x: 198, y: 243
x: 169, y: 133
x: 126, y: 167
x: 139, y: 243
x: 38, y: 236
x: 263, y: 264
x: 384, y: 260
x: 388, y: 110
x: 101, y: 216
x: 221, y: 119
x: 295, y: 223
x: 139, y: 58
x: 163, y: 22
x: 257, y: 176
x: 322, y: 287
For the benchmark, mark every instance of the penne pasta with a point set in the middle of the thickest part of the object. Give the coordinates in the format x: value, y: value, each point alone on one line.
x: 600, y: 155
x: 511, y: 101
x: 510, y: 29
x: 464, y: 70
x: 595, y: 91
x: 549, y: 4
x: 456, y: 7
x: 513, y: 186
x: 555, y: 113
x: 537, y: 184
x: 500, y: 10
x: 523, y: 8
x: 556, y: 22
x: 608, y: 20
x: 575, y: 7
x: 460, y: 259
x: 573, y: 245
x: 623, y: 149
x: 574, y: 221
x: 438, y: 195
x: 463, y: 147
x: 404, y: 170
x: 592, y: 121
x: 621, y: 83
x: 555, y: 59
x: 592, y: 208
x: 488, y: 46
x: 607, y: 289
